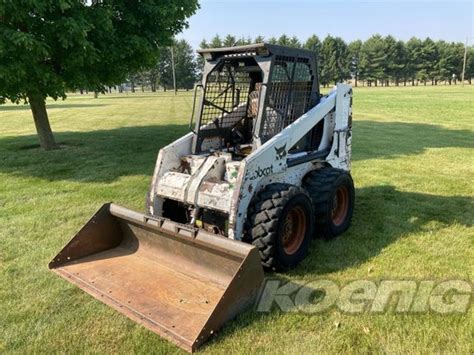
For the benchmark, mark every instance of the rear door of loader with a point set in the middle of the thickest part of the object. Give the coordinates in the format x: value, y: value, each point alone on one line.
x: 179, y: 282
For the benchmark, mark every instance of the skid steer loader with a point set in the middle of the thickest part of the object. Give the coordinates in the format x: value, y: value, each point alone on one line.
x: 265, y: 166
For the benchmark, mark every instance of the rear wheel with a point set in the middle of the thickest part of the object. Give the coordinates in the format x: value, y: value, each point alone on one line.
x: 279, y: 224
x: 332, y: 193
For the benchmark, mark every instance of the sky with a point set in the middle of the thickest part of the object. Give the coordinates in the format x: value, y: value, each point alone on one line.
x: 351, y: 19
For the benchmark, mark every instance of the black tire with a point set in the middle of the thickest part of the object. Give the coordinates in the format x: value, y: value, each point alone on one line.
x: 332, y: 193
x: 280, y: 224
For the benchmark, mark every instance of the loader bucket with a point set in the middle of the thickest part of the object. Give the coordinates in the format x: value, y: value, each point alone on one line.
x: 178, y: 281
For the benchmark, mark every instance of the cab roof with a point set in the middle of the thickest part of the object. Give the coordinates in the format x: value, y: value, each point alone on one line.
x: 256, y: 49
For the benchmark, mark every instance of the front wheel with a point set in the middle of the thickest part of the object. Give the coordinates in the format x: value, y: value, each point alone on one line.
x: 279, y: 224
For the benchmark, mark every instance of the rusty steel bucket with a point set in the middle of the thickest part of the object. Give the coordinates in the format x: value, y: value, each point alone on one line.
x: 176, y: 280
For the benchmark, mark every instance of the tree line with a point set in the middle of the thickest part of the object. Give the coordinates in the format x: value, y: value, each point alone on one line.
x: 376, y: 61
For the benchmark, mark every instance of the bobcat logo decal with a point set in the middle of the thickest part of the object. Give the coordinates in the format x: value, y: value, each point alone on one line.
x: 280, y: 152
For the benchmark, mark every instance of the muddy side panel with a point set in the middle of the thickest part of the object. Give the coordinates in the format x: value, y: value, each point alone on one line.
x: 177, y: 281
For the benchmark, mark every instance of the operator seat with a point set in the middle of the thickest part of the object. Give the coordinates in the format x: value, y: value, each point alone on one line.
x: 254, y: 96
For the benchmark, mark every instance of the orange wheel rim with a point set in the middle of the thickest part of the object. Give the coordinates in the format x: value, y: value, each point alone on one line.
x: 294, y: 230
x: 340, y: 205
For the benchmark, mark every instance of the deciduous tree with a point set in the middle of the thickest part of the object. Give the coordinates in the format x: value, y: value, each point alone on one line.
x: 48, y: 47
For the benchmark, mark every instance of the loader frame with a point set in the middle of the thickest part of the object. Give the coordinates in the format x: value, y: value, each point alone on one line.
x: 295, y: 131
x: 271, y: 162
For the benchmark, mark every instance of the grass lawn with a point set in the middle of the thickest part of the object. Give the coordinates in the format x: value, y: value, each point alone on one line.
x: 413, y: 166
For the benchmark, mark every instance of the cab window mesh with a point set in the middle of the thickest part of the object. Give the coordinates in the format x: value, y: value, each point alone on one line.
x: 226, y: 95
x: 289, y: 94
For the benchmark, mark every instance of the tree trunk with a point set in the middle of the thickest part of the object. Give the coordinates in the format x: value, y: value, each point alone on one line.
x: 40, y: 116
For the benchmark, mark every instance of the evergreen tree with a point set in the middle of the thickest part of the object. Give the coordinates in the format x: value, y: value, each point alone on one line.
x: 389, y: 60
x: 185, y: 65
x: 372, y: 60
x: 294, y: 42
x: 313, y: 44
x: 414, y: 48
x: 229, y: 41
x: 395, y: 60
x: 200, y: 60
x: 273, y: 40
x: 204, y: 44
x: 334, y: 60
x: 450, y: 60
x: 283, y: 40
x: 428, y: 61
x: 354, y: 59
x: 243, y: 41
x: 216, y: 42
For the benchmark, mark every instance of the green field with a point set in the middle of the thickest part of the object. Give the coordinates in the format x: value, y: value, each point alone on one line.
x: 413, y: 166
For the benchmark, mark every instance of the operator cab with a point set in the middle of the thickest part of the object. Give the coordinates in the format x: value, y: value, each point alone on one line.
x: 250, y: 93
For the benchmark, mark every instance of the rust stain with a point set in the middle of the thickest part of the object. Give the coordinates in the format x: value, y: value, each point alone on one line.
x: 185, y: 166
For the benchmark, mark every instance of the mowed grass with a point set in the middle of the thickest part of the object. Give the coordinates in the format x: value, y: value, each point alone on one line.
x: 413, y: 166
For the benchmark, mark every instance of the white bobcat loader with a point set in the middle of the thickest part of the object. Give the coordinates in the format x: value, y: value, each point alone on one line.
x: 265, y: 167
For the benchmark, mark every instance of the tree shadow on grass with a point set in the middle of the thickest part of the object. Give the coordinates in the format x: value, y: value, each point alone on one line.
x: 385, y: 140
x: 382, y: 216
x: 48, y: 106
x: 105, y: 155
x: 93, y: 156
